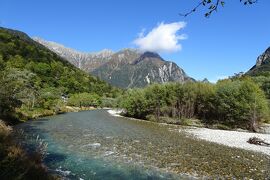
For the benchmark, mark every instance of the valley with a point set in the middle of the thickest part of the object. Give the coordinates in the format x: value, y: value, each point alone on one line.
x: 138, y: 90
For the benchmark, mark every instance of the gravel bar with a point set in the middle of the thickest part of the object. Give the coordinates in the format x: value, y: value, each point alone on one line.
x: 235, y: 139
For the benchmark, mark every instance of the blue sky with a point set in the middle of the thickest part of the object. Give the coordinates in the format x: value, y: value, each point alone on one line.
x: 226, y: 43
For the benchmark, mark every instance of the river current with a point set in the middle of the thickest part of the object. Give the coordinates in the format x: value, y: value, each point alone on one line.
x: 97, y: 145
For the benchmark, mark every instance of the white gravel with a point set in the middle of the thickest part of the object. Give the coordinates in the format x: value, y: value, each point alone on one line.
x: 115, y: 112
x: 235, y: 139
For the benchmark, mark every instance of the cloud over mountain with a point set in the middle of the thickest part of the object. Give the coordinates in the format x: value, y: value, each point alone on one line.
x: 163, y: 38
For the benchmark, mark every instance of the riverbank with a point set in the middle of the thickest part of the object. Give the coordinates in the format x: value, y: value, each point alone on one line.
x: 16, y: 163
x: 25, y: 114
x: 78, y: 109
x: 15, y: 160
x: 236, y: 139
x: 231, y: 138
x: 115, y: 112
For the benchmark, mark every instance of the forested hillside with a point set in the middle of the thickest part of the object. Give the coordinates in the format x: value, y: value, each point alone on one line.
x: 33, y: 78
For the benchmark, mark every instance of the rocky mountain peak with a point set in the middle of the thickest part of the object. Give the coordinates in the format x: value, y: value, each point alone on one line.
x: 267, y: 51
x: 262, y: 64
x: 262, y: 59
x: 205, y: 80
x: 149, y: 54
x: 103, y: 53
x: 126, y: 68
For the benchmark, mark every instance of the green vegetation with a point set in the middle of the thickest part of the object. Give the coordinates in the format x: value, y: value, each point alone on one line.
x: 33, y: 80
x: 234, y: 103
x: 263, y: 79
x: 84, y: 99
x: 15, y: 163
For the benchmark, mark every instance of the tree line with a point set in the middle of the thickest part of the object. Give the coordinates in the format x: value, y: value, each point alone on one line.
x: 232, y: 102
x: 33, y: 79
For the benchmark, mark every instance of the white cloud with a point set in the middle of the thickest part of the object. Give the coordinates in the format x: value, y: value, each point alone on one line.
x: 162, y: 38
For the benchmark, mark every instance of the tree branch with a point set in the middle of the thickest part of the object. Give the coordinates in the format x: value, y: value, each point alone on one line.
x: 213, y: 6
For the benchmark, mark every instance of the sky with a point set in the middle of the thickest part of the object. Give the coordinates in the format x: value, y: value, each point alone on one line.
x: 226, y: 43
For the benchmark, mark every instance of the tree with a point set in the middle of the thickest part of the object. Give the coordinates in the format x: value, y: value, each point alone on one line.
x: 155, y: 96
x: 241, y: 103
x: 263, y: 81
x: 213, y: 5
x: 84, y: 99
x: 205, y: 96
x: 16, y: 88
x: 255, y: 102
x: 135, y: 103
x: 233, y: 102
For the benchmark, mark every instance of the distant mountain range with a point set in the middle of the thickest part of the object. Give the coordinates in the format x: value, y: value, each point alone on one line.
x: 127, y: 68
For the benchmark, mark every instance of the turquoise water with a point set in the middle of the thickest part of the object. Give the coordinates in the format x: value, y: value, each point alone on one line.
x: 96, y: 145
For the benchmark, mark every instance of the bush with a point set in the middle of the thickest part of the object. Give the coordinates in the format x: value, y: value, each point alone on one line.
x: 15, y: 163
x: 108, y: 102
x: 241, y: 103
x: 222, y: 127
x: 151, y: 117
x: 84, y: 99
x: 236, y: 103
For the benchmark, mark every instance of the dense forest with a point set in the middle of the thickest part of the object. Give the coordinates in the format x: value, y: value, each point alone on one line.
x: 232, y: 103
x: 33, y: 79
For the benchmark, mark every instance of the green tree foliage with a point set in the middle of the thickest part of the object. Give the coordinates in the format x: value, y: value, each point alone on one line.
x: 16, y: 162
x: 263, y: 80
x: 107, y: 102
x: 16, y: 87
x: 84, y: 99
x: 36, y: 78
x: 241, y: 102
x: 135, y: 103
x: 238, y: 103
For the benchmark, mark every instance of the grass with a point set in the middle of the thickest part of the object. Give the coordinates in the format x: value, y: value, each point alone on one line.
x: 15, y: 163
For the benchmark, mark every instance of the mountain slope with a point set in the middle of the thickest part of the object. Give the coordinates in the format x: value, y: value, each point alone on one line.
x: 127, y: 68
x: 85, y: 61
x: 138, y: 70
x: 19, y: 51
x: 262, y: 65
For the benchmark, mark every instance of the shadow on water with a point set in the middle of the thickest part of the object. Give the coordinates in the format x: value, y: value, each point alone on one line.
x: 32, y: 127
x: 40, y: 121
x: 53, y: 157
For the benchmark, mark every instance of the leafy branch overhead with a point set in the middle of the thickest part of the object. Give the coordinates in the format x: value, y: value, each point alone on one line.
x: 213, y: 5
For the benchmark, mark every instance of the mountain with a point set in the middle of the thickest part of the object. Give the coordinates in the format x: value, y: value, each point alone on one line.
x: 85, y: 61
x: 205, y: 80
x: 127, y: 68
x: 262, y: 64
x: 18, y: 51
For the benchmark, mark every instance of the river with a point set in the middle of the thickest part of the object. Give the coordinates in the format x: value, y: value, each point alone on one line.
x: 95, y: 145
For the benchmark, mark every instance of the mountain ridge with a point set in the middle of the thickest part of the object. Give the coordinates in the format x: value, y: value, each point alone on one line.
x: 262, y: 64
x: 127, y: 68
x: 19, y: 51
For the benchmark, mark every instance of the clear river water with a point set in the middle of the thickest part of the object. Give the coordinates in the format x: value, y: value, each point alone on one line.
x: 97, y: 145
